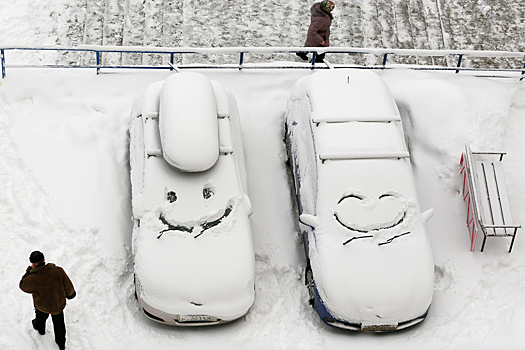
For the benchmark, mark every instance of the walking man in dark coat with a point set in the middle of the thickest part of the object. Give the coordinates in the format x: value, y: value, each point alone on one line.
x: 50, y: 287
x: 319, y: 30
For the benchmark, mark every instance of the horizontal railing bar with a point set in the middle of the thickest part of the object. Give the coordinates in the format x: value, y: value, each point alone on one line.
x: 98, y: 50
x: 258, y: 66
x: 266, y: 50
x: 490, y: 152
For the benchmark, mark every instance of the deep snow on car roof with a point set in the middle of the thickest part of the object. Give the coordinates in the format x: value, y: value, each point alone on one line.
x: 352, y: 95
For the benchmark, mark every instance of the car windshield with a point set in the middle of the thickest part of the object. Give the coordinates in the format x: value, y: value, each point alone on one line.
x: 339, y: 139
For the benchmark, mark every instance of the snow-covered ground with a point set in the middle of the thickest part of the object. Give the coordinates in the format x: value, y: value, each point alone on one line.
x: 65, y: 190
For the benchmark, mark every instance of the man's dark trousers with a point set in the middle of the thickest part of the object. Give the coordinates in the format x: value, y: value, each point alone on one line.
x: 58, y: 326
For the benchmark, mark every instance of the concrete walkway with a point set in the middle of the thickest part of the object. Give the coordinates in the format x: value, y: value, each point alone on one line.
x: 407, y: 24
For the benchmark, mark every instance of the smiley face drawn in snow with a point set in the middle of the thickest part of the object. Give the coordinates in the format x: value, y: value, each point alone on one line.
x: 195, y: 226
x: 365, y: 216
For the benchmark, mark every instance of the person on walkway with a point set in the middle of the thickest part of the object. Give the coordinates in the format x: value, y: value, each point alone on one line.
x: 50, y: 287
x: 319, y: 30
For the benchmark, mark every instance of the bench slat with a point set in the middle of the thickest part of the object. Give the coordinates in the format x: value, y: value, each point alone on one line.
x: 494, y: 201
x: 502, y: 187
x: 496, y: 208
x: 480, y: 183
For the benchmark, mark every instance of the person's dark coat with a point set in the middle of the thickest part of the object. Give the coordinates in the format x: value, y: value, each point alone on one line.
x: 319, y: 29
x: 50, y: 286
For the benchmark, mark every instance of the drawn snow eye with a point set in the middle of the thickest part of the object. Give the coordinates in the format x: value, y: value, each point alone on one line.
x: 207, y: 193
x: 386, y: 195
x: 350, y: 196
x: 171, y: 196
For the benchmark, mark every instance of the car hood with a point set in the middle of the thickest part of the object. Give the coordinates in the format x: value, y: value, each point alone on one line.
x: 374, y: 273
x: 183, y: 274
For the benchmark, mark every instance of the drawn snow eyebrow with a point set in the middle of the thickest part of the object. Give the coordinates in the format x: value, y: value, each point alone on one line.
x: 353, y: 195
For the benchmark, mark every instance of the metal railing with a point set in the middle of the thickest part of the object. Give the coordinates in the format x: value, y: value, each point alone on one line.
x: 241, y: 52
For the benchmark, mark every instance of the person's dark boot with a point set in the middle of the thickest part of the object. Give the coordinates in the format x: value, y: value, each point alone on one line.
x: 41, y: 331
x: 319, y: 58
x: 302, y: 55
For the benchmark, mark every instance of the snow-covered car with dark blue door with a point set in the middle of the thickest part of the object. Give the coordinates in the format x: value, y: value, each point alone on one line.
x: 370, y: 265
x: 192, y: 244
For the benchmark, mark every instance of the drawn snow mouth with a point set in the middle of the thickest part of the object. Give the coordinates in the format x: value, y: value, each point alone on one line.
x: 202, y: 226
x: 375, y: 229
x: 336, y: 216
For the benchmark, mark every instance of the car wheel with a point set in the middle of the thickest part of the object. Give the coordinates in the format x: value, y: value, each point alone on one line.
x: 286, y: 141
x: 135, y: 286
x: 309, y: 281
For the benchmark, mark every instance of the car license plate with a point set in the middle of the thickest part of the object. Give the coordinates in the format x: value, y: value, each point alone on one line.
x: 196, y: 318
x: 379, y: 328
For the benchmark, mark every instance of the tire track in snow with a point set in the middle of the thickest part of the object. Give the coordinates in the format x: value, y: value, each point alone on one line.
x: 282, y: 296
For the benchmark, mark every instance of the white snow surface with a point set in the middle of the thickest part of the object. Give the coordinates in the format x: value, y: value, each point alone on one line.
x: 65, y: 191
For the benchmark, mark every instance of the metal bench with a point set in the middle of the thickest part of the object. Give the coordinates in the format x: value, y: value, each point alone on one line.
x: 485, y: 192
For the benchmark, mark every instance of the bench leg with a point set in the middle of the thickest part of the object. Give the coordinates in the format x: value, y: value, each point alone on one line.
x: 484, y: 240
x: 512, y: 241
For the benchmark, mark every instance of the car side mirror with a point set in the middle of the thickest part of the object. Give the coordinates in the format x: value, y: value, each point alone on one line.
x: 138, y: 206
x: 247, y: 203
x: 427, y: 215
x: 309, y: 220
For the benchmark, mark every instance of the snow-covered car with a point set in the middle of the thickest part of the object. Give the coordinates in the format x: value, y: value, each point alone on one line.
x: 369, y: 261
x: 192, y: 244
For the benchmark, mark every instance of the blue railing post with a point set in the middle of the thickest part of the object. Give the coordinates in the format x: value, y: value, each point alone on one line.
x: 384, y: 60
x: 523, y: 72
x: 172, y: 60
x: 314, y: 56
x: 241, y: 59
x: 98, y: 61
x: 459, y: 62
x: 2, y: 59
